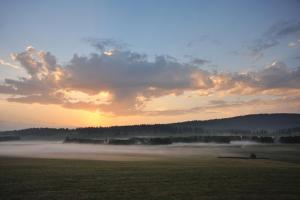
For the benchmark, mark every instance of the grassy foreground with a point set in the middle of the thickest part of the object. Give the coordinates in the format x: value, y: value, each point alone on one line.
x: 25, y: 178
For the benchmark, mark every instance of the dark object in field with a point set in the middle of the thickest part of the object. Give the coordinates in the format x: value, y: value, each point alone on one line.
x: 237, y: 157
x: 252, y: 156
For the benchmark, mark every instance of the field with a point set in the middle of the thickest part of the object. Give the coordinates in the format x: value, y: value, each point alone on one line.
x: 181, y: 177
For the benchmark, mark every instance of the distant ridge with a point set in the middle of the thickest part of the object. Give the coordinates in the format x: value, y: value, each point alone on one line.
x: 250, y: 122
x: 245, y: 122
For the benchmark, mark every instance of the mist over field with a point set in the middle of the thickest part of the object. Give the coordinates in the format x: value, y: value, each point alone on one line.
x: 106, y: 152
x: 46, y: 149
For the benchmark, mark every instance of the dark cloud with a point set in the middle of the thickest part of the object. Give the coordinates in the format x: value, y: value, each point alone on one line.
x: 106, y: 44
x: 196, y: 61
x: 283, y: 29
x: 200, y: 39
x: 199, y: 62
x: 263, y: 44
x: 273, y: 35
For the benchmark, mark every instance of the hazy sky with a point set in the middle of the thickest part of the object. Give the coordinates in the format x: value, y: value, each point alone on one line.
x: 91, y: 63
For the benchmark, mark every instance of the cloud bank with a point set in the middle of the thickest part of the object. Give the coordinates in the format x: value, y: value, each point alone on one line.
x: 121, y: 82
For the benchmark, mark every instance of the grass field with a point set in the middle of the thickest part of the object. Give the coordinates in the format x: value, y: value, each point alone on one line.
x: 211, y: 178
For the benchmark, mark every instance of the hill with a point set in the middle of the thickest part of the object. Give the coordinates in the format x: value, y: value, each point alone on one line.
x: 250, y: 122
x: 256, y: 124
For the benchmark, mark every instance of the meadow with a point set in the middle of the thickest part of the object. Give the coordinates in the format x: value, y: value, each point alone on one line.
x: 197, y: 176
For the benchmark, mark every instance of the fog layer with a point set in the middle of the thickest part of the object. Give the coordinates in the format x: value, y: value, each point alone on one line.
x: 42, y: 149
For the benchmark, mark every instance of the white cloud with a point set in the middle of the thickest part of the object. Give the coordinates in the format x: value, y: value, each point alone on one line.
x: 2, y: 62
x: 294, y: 44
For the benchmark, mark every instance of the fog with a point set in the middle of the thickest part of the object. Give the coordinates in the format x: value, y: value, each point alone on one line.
x: 43, y: 149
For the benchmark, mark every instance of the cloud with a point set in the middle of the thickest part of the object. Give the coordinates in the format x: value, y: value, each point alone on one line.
x: 132, y: 79
x: 274, y: 76
x: 196, y: 61
x: 294, y: 44
x: 263, y: 44
x: 128, y: 77
x: 199, y: 62
x: 200, y: 39
x: 106, y: 44
x: 124, y: 81
x: 282, y: 29
x: 239, y: 107
x: 2, y: 62
x: 272, y: 37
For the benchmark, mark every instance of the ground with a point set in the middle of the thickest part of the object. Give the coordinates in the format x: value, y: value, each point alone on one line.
x: 181, y: 178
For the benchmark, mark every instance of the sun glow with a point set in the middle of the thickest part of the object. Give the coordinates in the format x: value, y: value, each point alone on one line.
x: 74, y: 96
x: 109, y: 52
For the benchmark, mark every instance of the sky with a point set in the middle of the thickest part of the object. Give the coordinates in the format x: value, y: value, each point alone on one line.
x: 102, y: 63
